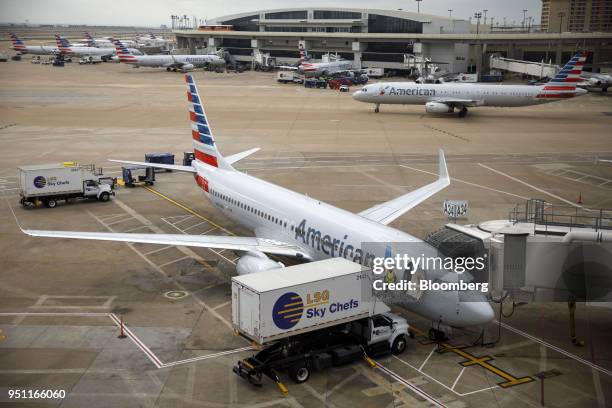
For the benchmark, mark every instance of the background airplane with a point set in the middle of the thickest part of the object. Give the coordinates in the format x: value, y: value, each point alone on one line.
x: 309, y: 69
x: 445, y: 98
x: 290, y: 224
x: 170, y: 62
x: 20, y: 46
x: 106, y: 42
x: 65, y: 47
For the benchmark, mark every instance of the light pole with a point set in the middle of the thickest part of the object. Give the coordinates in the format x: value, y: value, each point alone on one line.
x: 450, y: 14
x: 485, y: 16
x: 492, y: 18
x: 477, y: 15
x: 524, y: 18
x: 418, y: 6
x: 561, y: 15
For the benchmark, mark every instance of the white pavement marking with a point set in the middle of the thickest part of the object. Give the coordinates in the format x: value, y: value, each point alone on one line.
x: 407, y: 384
x: 40, y: 303
x: 152, y: 356
x: 555, y: 348
x: 427, y: 359
x: 440, y: 383
x: 229, y: 302
x: 174, y: 261
x: 457, y: 379
x: 501, y: 173
x: 158, y: 250
x: 186, y: 251
x: 468, y: 183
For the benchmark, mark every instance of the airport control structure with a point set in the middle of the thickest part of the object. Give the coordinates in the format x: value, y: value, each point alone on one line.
x: 390, y: 39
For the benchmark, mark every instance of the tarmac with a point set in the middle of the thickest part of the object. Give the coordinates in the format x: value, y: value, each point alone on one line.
x: 61, y: 301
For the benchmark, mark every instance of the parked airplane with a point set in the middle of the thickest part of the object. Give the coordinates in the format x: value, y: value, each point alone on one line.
x: 315, y: 69
x: 20, y: 46
x: 593, y: 80
x: 106, y: 42
x: 152, y: 40
x: 290, y: 224
x: 170, y: 62
x: 445, y: 98
x: 65, y: 47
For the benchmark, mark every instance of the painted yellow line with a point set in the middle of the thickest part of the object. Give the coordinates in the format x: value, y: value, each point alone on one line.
x: 189, y: 210
x: 480, y: 361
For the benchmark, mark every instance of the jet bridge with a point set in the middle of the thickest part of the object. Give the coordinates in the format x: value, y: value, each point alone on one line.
x: 541, y: 252
x: 534, y: 69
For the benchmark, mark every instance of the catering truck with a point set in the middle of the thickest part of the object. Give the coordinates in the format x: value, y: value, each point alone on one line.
x: 311, y: 317
x: 51, y: 183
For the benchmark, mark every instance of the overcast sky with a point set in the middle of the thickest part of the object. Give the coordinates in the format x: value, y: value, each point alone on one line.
x: 156, y: 12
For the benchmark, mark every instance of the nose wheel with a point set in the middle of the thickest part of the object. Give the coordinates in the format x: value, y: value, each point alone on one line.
x: 377, y: 108
x: 463, y: 112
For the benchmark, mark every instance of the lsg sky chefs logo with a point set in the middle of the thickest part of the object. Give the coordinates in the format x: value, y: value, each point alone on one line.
x: 40, y: 182
x: 290, y: 308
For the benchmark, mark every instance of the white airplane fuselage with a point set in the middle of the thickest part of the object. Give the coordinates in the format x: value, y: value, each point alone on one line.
x: 324, y: 68
x: 324, y: 231
x: 37, y: 49
x: 410, y: 93
x: 169, y: 60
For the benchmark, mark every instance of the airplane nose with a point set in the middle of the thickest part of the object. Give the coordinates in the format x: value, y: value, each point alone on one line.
x: 580, y: 91
x: 476, y: 310
x: 358, y: 95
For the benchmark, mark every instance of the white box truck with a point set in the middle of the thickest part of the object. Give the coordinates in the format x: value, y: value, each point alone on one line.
x: 311, y: 316
x: 289, y: 76
x: 51, y: 183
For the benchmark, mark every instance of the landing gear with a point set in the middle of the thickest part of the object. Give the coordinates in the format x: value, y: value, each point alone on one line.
x: 571, y: 304
x: 436, y: 335
x: 463, y: 112
x: 377, y: 108
x: 168, y: 69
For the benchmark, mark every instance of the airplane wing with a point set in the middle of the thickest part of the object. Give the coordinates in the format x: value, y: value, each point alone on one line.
x: 385, y: 213
x: 176, y: 167
x: 247, y: 244
x: 459, y: 102
x: 286, y: 67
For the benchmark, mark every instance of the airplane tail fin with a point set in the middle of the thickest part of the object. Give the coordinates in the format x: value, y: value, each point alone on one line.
x: 563, y: 85
x: 204, y: 146
x: 90, y: 40
x: 303, y: 55
x: 18, y: 45
x: 124, y: 53
x: 152, y: 36
x: 62, y: 44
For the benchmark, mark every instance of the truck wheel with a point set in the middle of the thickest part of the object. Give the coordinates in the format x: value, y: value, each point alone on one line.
x: 104, y: 196
x: 399, y: 345
x: 51, y: 203
x: 299, y: 373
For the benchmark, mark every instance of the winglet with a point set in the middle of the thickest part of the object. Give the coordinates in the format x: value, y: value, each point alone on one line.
x: 442, y: 169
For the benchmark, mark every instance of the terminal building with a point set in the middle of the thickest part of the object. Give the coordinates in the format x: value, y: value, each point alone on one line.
x: 389, y: 39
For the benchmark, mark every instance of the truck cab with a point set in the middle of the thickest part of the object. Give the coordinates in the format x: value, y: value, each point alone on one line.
x: 384, y: 332
x: 95, y: 189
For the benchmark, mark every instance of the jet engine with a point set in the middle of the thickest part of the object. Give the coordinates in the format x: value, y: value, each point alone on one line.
x: 437, y: 107
x: 253, y: 263
x: 187, y: 67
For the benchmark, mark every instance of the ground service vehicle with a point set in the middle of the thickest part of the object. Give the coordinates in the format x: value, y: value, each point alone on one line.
x: 133, y: 175
x: 311, y: 317
x: 50, y: 183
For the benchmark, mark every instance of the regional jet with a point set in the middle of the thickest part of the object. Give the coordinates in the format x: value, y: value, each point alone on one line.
x: 290, y: 224
x: 170, y: 62
x: 20, y: 46
x: 445, y: 98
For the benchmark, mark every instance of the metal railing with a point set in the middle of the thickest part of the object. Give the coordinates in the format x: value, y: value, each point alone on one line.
x: 546, y: 214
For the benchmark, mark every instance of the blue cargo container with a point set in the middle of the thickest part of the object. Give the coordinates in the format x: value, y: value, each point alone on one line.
x: 163, y: 158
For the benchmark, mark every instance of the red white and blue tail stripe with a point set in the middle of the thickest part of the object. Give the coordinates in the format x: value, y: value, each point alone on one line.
x: 563, y: 85
x: 63, y: 45
x: 204, y: 147
x: 90, y: 40
x: 18, y: 45
x: 124, y: 54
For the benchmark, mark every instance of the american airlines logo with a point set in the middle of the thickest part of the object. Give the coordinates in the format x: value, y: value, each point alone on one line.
x: 332, y: 246
x: 408, y: 92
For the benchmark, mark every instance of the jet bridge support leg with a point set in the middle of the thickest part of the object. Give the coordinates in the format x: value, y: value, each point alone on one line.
x: 571, y: 304
x: 377, y: 108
